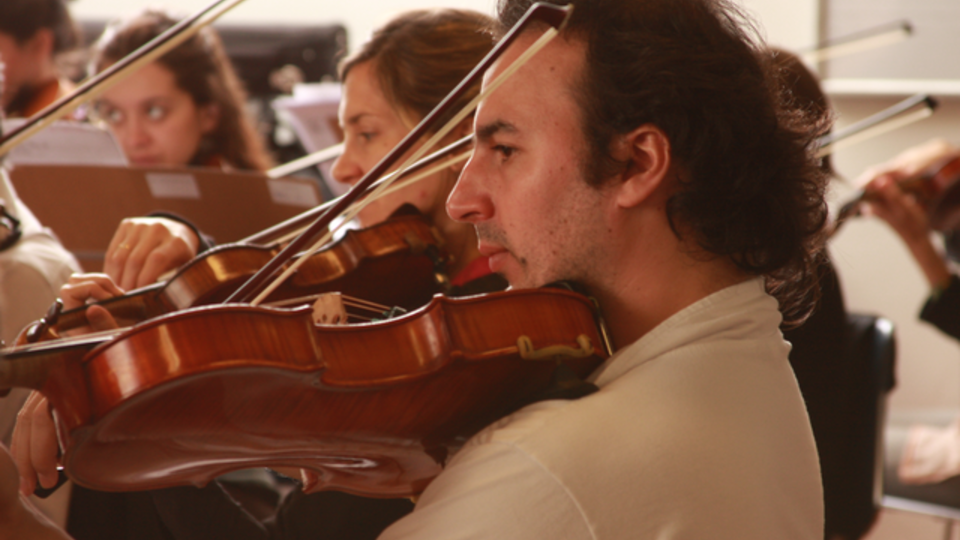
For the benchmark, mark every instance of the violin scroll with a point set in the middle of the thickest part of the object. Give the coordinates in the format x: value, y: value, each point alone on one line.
x: 935, y: 188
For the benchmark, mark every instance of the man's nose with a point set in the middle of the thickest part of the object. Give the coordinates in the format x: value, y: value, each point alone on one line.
x: 469, y: 201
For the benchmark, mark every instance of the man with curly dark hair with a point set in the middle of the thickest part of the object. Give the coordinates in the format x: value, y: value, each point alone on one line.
x: 32, y: 34
x: 646, y: 154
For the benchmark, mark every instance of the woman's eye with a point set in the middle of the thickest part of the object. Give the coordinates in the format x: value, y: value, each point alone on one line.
x: 156, y: 112
x: 110, y: 116
x: 367, y: 135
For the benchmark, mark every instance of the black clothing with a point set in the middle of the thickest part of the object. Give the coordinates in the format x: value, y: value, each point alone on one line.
x: 826, y: 360
x: 942, y: 309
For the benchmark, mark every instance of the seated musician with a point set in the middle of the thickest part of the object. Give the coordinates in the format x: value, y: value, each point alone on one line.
x: 33, y: 33
x: 642, y: 154
x: 921, y: 453
x: 390, y: 84
x: 184, y: 109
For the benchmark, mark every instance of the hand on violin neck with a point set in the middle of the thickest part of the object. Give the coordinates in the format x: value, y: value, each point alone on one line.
x: 900, y: 210
x: 909, y: 219
x: 910, y: 162
x: 19, y: 518
x: 35, y: 447
x: 81, y: 289
x: 145, y: 248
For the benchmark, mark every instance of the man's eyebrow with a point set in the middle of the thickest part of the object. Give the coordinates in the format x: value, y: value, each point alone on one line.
x: 485, y: 132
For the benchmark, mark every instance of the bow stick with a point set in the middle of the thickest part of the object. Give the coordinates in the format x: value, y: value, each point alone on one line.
x: 554, y: 16
x: 908, y: 111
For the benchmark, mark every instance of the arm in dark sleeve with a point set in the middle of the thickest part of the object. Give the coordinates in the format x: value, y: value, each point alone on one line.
x: 942, y: 309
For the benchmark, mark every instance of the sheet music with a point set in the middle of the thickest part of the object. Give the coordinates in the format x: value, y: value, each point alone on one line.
x: 312, y: 112
x: 66, y: 143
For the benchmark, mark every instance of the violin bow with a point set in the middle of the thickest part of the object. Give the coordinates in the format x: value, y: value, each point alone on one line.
x: 421, y: 169
x: 308, y: 160
x: 93, y: 87
x: 554, y: 16
x: 386, y: 184
x: 865, y: 40
x: 908, y: 111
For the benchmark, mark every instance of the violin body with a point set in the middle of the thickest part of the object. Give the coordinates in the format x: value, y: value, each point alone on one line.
x: 372, y: 409
x: 398, y: 263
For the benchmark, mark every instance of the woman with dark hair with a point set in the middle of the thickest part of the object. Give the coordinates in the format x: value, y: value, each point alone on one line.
x: 186, y: 108
x: 32, y: 34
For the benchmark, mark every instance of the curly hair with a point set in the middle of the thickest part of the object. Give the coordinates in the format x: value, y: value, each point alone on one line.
x: 202, y: 69
x: 21, y: 19
x: 750, y: 188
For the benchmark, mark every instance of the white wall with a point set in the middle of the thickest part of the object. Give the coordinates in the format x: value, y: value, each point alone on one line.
x: 792, y: 24
x: 360, y: 17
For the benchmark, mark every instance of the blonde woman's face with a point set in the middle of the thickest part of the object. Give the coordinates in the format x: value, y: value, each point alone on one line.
x: 155, y: 121
x: 371, y: 128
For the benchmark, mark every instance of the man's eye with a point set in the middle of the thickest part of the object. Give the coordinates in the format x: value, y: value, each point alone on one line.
x: 505, y: 151
x: 156, y: 112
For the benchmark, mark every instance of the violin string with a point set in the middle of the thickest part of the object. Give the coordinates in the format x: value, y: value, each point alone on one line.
x: 93, y: 337
x: 363, y: 304
x: 348, y: 215
x: 347, y: 300
x: 96, y: 337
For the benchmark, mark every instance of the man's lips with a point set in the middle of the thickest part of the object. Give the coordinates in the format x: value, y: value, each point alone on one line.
x: 488, y: 249
x: 496, y: 255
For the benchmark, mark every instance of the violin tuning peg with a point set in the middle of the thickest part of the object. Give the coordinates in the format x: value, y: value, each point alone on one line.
x: 53, y: 313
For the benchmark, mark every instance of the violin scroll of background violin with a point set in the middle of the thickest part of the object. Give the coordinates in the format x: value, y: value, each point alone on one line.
x: 936, y: 189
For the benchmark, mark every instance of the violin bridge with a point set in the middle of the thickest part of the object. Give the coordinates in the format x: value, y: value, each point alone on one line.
x: 329, y: 309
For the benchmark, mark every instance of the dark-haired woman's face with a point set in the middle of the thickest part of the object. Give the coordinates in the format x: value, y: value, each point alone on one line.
x: 156, y: 122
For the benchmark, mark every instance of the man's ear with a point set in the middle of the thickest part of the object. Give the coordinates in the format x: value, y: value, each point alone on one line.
x: 646, y: 151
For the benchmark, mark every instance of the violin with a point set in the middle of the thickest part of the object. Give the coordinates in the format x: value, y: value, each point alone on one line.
x: 372, y: 409
x: 398, y: 263
x: 936, y: 189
